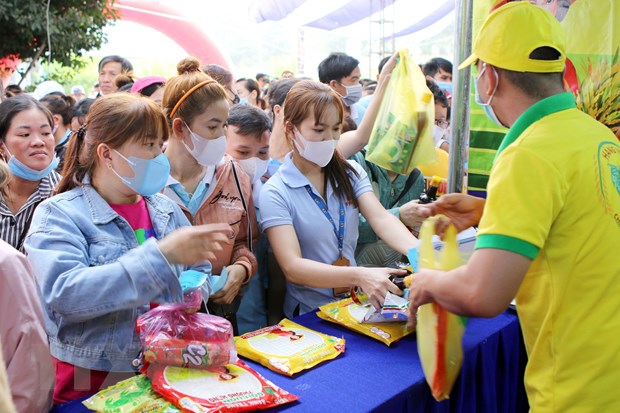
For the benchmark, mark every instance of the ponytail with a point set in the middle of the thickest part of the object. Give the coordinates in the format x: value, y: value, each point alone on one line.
x: 72, y: 172
x: 337, y: 174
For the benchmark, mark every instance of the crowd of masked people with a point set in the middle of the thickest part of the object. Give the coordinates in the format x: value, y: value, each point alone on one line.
x: 105, y: 200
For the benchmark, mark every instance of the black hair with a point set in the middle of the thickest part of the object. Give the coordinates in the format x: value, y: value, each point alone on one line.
x: 431, y: 68
x: 383, y: 62
x: 59, y: 105
x: 126, y: 65
x: 259, y: 76
x: 80, y: 110
x: 249, y: 120
x: 279, y: 89
x: 13, y: 90
x: 537, y: 85
x: 9, y: 108
x: 438, y: 94
x: 336, y: 66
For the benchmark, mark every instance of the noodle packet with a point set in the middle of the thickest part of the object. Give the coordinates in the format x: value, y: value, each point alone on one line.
x: 134, y: 395
x: 351, y: 315
x: 288, y: 347
x: 227, y: 389
x: 172, y: 336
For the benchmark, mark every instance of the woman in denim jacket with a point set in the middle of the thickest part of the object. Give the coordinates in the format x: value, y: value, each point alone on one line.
x: 109, y: 245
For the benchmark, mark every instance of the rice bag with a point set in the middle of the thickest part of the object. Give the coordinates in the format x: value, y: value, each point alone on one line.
x: 231, y: 388
x: 171, y: 336
x: 288, y: 347
x: 134, y: 395
x: 439, y: 333
x: 351, y: 315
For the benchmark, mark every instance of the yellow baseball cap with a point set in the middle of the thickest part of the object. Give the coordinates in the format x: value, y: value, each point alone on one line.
x: 511, y: 33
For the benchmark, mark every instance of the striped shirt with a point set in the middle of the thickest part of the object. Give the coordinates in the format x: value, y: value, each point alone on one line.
x: 13, y: 228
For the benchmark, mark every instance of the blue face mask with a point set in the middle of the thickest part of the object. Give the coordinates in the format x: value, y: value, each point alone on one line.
x: 243, y: 101
x: 445, y: 85
x: 150, y: 175
x: 488, y: 110
x: 25, y: 172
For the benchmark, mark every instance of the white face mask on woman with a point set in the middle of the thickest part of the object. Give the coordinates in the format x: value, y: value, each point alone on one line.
x: 319, y: 153
x: 207, y: 152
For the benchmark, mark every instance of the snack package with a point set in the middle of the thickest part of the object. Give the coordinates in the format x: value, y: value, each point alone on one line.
x: 288, y: 347
x: 134, y: 395
x: 439, y: 333
x: 231, y: 388
x: 402, y: 136
x: 171, y: 336
x: 351, y: 315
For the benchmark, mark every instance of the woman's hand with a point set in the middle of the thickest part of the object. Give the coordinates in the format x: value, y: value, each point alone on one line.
x: 375, y: 283
x: 196, y: 244
x: 237, y: 274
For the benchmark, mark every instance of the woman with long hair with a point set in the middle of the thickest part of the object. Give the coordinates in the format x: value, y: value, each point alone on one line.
x: 310, y: 208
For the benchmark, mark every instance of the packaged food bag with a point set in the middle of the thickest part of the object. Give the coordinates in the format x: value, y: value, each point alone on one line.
x: 351, y: 315
x: 171, y: 336
x: 402, y: 136
x: 134, y: 395
x: 439, y: 333
x: 288, y: 347
x: 230, y: 388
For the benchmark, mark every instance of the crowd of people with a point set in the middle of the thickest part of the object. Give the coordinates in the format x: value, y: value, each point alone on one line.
x: 105, y: 201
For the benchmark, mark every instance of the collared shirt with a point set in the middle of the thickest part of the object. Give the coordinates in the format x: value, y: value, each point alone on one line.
x: 177, y: 192
x: 13, y: 228
x: 554, y: 197
x: 284, y: 200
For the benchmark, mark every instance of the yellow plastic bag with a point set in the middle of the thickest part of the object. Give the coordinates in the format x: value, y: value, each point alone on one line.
x: 402, y: 136
x: 351, y: 315
x: 439, y: 333
x: 288, y: 347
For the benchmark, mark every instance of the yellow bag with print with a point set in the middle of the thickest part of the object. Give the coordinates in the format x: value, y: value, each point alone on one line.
x: 402, y: 136
x: 351, y: 315
x: 439, y: 333
x: 288, y: 347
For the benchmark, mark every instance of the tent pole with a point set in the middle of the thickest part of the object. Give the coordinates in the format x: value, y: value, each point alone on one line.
x: 460, y: 98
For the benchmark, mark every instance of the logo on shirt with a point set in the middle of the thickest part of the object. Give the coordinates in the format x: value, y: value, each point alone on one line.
x: 226, y: 200
x: 609, y: 178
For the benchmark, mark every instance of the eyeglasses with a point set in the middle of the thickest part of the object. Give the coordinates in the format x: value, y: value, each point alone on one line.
x: 442, y: 123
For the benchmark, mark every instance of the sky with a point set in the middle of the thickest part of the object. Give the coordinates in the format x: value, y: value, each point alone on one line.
x: 273, y: 46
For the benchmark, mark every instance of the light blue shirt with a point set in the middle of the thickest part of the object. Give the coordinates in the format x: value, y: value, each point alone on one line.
x: 284, y: 200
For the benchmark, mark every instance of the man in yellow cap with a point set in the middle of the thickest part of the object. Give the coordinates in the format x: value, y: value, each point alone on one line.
x: 549, y: 231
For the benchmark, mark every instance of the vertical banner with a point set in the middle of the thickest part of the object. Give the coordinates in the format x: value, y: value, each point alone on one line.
x: 592, y: 74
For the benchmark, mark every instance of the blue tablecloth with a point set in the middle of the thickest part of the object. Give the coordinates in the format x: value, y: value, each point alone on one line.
x: 370, y: 376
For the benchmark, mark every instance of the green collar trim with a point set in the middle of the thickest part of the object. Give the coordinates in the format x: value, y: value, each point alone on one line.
x: 534, y: 113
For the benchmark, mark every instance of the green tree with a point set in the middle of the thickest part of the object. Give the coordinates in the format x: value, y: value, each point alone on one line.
x: 75, y: 27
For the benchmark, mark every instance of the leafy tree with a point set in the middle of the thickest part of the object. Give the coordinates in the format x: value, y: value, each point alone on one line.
x: 75, y: 27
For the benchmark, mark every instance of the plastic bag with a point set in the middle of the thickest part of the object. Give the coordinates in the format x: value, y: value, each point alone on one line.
x: 134, y: 395
x: 402, y: 136
x: 439, y: 333
x: 231, y: 388
x: 288, y: 347
x: 171, y: 336
x: 351, y: 315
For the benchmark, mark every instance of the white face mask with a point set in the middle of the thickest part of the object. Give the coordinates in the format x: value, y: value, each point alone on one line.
x: 254, y: 167
x: 319, y: 153
x: 206, y: 151
x: 438, y: 133
x: 354, y: 94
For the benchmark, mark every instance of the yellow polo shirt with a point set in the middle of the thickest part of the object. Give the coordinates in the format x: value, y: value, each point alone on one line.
x: 554, y: 197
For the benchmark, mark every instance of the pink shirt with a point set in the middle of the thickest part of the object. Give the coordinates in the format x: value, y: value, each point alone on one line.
x: 137, y: 215
x: 24, y: 343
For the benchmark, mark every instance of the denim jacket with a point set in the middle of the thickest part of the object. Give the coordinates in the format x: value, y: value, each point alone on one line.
x: 95, y: 280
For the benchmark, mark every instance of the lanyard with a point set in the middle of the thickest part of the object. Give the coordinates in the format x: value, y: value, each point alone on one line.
x: 338, y: 232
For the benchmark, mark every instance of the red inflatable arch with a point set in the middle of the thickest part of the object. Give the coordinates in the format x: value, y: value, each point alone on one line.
x: 169, y: 22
